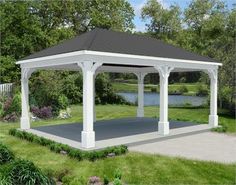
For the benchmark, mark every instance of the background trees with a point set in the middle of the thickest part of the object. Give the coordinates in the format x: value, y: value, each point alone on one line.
x: 207, y: 27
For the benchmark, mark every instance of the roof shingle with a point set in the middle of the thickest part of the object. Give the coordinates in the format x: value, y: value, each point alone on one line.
x: 118, y: 42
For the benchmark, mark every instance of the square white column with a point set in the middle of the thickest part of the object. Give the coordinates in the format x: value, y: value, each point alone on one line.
x: 213, y: 117
x: 25, y: 118
x: 163, y: 124
x: 88, y: 134
x: 140, y: 109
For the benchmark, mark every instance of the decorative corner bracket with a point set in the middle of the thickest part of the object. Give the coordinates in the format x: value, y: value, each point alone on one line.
x: 140, y: 76
x: 26, y: 73
x: 164, y: 71
x: 89, y: 66
x: 213, y: 73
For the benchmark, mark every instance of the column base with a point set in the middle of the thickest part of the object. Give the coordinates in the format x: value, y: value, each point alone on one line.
x: 25, y: 123
x: 163, y: 128
x: 88, y: 139
x: 213, y: 120
x: 140, y: 113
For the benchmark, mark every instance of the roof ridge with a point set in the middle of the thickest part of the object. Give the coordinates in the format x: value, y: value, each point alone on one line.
x: 89, y: 41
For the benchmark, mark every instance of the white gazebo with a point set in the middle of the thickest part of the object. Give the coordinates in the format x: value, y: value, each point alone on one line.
x: 107, y: 51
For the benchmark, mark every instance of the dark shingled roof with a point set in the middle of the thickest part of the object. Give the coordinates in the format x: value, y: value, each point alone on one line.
x: 117, y: 42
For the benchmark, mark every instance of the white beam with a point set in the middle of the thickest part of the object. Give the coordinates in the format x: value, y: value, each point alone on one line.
x: 163, y: 125
x: 115, y: 58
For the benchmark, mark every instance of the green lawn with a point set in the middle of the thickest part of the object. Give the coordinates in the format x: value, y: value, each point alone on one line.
x: 198, y: 115
x: 137, y: 168
x: 131, y: 87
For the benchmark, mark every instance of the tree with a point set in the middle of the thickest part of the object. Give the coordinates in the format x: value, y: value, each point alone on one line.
x: 164, y: 23
x: 30, y: 26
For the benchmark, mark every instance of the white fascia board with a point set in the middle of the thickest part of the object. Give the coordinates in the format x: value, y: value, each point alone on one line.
x: 99, y: 53
x: 64, y: 55
x: 114, y: 58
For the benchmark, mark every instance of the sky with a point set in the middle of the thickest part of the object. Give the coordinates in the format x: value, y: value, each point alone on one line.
x: 138, y: 4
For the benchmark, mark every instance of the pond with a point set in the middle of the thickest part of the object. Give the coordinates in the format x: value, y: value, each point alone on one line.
x: 151, y: 98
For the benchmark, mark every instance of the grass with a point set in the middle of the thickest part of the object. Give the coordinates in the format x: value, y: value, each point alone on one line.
x: 106, y: 112
x: 136, y: 168
x: 132, y: 87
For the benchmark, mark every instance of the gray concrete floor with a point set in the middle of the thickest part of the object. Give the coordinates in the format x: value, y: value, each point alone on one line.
x: 108, y: 129
x: 208, y: 146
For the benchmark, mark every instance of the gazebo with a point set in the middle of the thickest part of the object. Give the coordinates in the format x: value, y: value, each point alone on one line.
x: 102, y: 50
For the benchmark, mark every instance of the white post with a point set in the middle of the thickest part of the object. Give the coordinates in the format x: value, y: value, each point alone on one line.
x: 94, y: 95
x: 140, y: 109
x: 25, y: 119
x: 213, y: 118
x: 88, y: 135
x: 163, y: 124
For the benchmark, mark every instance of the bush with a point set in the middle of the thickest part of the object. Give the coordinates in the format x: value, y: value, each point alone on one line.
x: 105, y: 180
x: 11, y: 117
x: 1, y: 109
x: 43, y: 113
x: 16, y: 104
x: 10, y: 109
x: 117, y: 182
x: 6, y: 155
x: 63, y: 102
x: 72, y: 87
x: 12, y: 105
x: 25, y: 172
x: 183, y: 89
x: 72, y: 152
x: 201, y: 90
x: 105, y: 93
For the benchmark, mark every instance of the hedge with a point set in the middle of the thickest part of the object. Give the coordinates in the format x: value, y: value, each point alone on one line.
x: 70, y: 151
x: 6, y: 155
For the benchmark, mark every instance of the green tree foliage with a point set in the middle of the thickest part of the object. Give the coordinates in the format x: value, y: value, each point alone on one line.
x: 30, y: 26
x: 164, y: 23
x: 206, y: 27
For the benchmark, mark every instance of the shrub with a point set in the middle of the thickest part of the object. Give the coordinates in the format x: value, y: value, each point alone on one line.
x: 5, y: 180
x: 12, y: 105
x: 117, y: 182
x: 63, y: 102
x: 72, y: 152
x: 11, y: 117
x: 25, y: 172
x: 183, y: 89
x: 16, y: 104
x: 1, y: 109
x: 6, y: 155
x: 94, y: 180
x: 7, y: 106
x: 72, y: 88
x: 43, y: 113
x: 105, y: 180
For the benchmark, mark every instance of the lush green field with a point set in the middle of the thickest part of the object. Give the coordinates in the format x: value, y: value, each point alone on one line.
x: 136, y: 168
x: 132, y: 87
